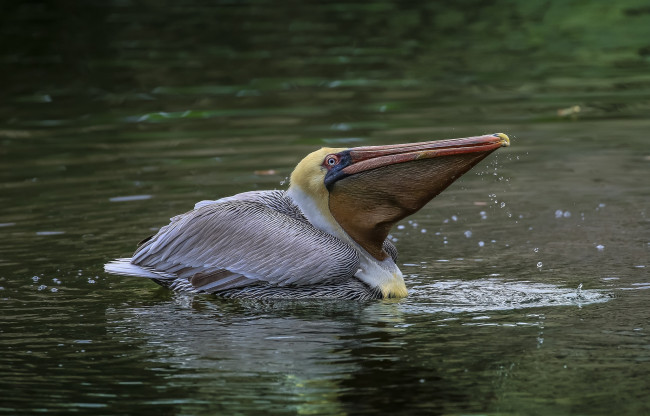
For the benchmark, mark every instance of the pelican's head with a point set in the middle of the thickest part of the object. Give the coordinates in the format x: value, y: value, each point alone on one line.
x: 364, y: 191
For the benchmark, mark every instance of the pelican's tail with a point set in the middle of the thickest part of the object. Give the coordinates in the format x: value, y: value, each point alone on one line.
x: 124, y: 267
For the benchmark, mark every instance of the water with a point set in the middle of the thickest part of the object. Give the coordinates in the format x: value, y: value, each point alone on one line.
x: 117, y: 116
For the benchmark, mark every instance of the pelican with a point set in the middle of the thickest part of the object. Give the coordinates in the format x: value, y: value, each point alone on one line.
x: 325, y: 237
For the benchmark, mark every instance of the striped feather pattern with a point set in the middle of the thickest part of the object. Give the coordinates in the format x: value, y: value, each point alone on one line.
x: 352, y: 289
x: 235, y: 243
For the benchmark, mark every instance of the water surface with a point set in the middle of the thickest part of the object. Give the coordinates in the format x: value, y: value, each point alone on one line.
x: 528, y: 277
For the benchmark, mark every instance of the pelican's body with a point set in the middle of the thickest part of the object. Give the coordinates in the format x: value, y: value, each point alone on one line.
x: 325, y: 237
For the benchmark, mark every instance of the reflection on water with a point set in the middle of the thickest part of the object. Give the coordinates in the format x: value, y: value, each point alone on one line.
x: 305, y: 354
x: 293, y: 355
x: 527, y: 277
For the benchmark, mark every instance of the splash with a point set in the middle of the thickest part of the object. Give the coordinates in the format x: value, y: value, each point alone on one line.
x: 495, y: 294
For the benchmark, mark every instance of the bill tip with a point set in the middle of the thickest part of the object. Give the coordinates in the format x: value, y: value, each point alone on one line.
x: 505, y: 140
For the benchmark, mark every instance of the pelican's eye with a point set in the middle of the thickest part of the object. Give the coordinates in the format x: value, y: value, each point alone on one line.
x: 331, y: 160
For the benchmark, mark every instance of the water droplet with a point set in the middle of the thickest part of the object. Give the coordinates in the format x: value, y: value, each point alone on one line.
x: 539, y: 264
x: 424, y: 230
x: 600, y: 247
x: 536, y: 249
x: 454, y: 218
x: 481, y: 243
x: 35, y: 278
x: 468, y: 233
x: 558, y: 213
x: 566, y: 214
x: 54, y: 290
x: 503, y: 204
x: 400, y: 227
x: 42, y: 287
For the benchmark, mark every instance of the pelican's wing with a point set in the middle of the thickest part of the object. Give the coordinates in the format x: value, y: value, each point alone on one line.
x: 237, y: 243
x: 275, y: 199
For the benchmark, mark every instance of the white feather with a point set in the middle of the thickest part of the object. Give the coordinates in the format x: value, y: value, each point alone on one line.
x: 124, y: 267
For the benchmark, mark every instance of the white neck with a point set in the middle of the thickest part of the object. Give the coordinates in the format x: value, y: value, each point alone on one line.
x: 316, y: 214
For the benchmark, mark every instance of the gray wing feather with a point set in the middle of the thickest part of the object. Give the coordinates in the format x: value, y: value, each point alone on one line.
x: 390, y: 248
x: 277, y: 200
x: 249, y: 240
